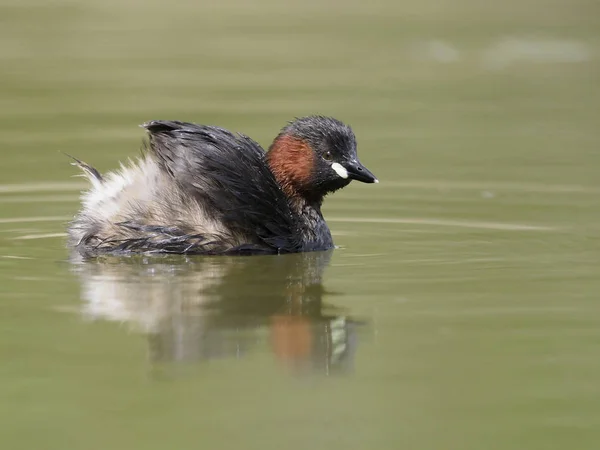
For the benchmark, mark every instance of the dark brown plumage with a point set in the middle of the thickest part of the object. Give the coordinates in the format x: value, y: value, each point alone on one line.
x: 203, y: 189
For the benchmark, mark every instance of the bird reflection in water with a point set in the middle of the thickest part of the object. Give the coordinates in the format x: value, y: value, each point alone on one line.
x: 199, y: 309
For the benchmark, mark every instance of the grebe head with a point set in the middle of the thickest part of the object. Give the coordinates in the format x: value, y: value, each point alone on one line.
x: 315, y: 155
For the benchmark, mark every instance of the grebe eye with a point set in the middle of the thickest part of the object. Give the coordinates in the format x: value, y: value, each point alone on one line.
x: 327, y: 156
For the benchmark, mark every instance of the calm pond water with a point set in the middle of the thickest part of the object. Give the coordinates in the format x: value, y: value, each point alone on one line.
x: 461, y: 309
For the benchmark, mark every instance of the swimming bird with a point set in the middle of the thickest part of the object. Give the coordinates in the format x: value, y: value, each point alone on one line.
x: 200, y: 189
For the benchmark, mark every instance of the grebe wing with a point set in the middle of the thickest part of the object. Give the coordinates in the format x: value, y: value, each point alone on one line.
x: 227, y: 173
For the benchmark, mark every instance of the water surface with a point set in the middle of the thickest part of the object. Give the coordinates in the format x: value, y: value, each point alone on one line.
x: 460, y: 310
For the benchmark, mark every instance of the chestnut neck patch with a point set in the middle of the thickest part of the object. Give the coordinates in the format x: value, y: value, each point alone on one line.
x: 291, y: 160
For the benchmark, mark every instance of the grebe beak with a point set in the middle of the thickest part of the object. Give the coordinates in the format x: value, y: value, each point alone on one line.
x: 358, y: 172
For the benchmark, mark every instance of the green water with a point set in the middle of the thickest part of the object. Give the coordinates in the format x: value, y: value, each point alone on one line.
x: 461, y: 310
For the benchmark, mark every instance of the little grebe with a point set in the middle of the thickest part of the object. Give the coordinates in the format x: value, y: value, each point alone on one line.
x: 205, y: 190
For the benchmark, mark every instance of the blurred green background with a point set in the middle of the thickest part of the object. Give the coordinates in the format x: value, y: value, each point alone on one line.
x: 474, y: 263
